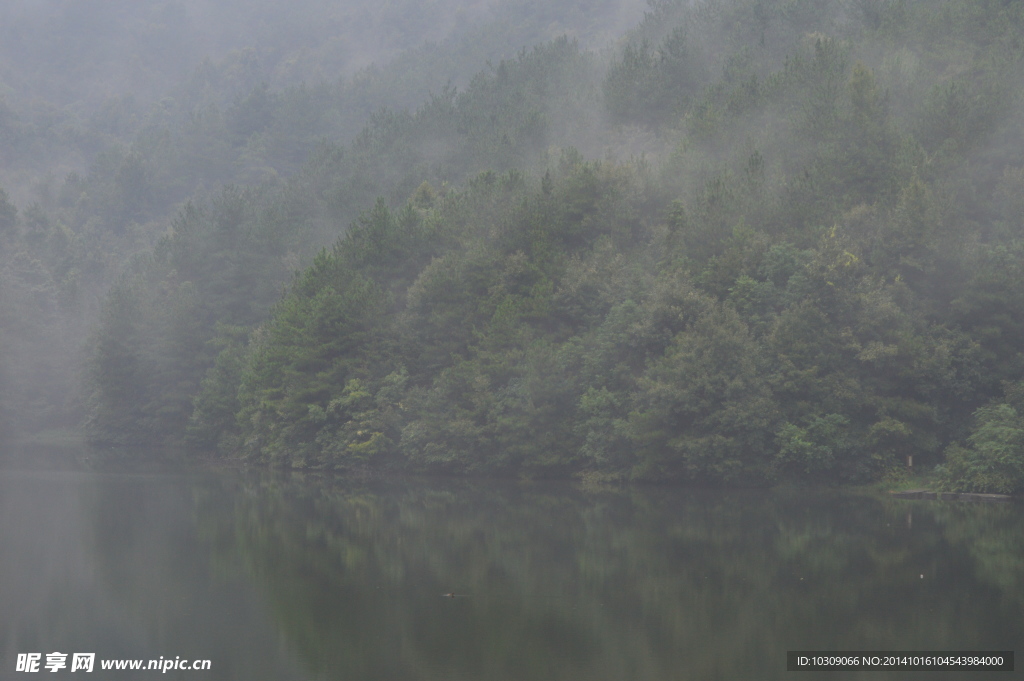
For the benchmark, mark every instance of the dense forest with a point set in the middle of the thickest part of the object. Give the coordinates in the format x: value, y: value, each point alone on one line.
x: 749, y: 241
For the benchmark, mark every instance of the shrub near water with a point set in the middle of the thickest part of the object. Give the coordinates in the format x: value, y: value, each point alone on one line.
x: 993, y: 460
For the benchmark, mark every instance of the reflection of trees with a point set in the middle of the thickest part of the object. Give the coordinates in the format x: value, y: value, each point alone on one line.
x: 991, y: 535
x: 652, y: 583
x: 149, y: 588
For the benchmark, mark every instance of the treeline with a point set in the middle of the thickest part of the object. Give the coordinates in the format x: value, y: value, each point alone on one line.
x: 225, y: 262
x: 818, y: 278
x: 94, y: 167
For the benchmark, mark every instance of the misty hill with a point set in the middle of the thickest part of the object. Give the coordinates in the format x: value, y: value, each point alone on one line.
x: 115, y: 115
x: 81, y: 77
x: 814, y: 273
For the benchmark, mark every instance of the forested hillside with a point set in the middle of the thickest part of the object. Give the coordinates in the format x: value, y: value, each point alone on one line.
x: 114, y: 116
x: 758, y: 240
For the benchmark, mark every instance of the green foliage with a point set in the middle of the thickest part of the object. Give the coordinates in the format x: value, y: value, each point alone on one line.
x: 649, y: 88
x: 814, y: 276
x: 319, y: 343
x: 212, y: 425
x: 117, y: 395
x: 993, y: 459
x: 704, y: 409
x: 813, y: 449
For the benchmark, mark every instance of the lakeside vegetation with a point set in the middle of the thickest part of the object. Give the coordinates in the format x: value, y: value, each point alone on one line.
x: 759, y: 241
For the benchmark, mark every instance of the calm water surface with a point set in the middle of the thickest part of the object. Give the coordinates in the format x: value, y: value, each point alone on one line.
x: 297, y: 577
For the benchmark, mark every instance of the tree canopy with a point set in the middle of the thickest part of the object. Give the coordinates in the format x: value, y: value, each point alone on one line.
x: 757, y: 241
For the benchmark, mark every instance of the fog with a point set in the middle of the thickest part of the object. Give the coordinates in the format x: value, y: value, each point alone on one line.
x: 88, y: 87
x: 80, y: 54
x: 610, y: 321
x: 560, y: 215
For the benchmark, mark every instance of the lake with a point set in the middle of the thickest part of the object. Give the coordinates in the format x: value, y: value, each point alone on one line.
x: 289, y: 576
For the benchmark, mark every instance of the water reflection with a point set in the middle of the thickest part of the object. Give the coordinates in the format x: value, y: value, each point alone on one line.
x: 278, y: 576
x: 112, y: 564
x: 657, y: 584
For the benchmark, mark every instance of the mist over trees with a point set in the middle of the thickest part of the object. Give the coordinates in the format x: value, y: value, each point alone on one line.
x: 751, y: 241
x: 114, y: 116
